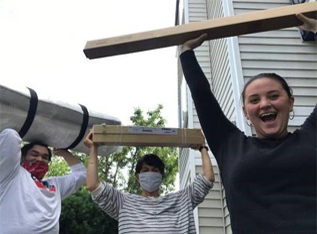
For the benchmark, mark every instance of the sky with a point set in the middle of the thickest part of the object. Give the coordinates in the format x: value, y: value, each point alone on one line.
x: 42, y: 42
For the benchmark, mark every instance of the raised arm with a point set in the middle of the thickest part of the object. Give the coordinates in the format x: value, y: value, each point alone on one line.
x: 10, y: 154
x: 70, y: 183
x: 216, y: 127
x: 68, y: 156
x: 200, y: 187
x: 208, y: 171
x: 92, y: 180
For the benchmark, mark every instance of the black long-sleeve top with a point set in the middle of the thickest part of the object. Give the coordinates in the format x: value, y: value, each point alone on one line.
x: 270, y: 184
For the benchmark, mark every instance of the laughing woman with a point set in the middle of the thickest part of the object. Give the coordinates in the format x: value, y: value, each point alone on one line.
x: 270, y: 179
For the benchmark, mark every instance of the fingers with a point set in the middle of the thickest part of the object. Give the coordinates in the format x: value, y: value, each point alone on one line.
x: 60, y: 152
x: 194, y: 43
x: 198, y: 41
x: 309, y: 24
x: 56, y: 150
x: 89, y: 136
x: 203, y: 37
x: 88, y: 140
x: 197, y: 147
x: 301, y: 17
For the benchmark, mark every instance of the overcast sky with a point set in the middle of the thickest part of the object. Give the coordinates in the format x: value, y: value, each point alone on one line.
x: 42, y: 42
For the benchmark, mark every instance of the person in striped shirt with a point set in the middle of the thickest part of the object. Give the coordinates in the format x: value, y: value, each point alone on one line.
x: 149, y: 212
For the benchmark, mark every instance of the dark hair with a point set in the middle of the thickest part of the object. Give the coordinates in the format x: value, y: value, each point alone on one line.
x: 273, y: 76
x: 151, y: 160
x: 25, y: 149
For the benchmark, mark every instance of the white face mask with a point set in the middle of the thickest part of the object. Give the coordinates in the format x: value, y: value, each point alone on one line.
x: 150, y: 181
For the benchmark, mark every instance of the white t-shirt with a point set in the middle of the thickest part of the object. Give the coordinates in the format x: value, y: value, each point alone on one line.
x: 26, y: 206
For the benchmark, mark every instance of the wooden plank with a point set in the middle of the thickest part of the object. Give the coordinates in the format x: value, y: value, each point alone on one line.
x: 135, y: 130
x: 258, y: 21
x: 146, y: 136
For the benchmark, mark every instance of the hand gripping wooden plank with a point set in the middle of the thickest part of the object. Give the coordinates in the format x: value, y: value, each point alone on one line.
x: 258, y: 21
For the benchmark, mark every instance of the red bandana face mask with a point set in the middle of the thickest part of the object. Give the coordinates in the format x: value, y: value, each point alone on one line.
x: 37, y: 169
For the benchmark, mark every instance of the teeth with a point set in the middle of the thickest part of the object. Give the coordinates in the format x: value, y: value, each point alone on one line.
x: 266, y: 114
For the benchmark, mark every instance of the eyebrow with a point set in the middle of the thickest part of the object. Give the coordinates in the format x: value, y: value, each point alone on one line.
x: 35, y: 151
x: 255, y: 95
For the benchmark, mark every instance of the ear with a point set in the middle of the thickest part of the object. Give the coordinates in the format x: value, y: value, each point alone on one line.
x: 245, y: 113
x: 291, y: 100
x: 23, y: 158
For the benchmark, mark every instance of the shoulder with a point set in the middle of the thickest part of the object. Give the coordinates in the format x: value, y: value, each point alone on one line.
x: 10, y: 138
x: 8, y: 132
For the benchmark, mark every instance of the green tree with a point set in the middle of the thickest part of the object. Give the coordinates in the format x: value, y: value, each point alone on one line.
x: 167, y: 154
x: 58, y: 167
x: 118, y: 166
x: 80, y: 215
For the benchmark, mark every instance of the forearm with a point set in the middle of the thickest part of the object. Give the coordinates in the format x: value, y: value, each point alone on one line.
x: 92, y: 180
x: 10, y: 153
x: 208, y: 171
x: 70, y: 158
x: 214, y: 123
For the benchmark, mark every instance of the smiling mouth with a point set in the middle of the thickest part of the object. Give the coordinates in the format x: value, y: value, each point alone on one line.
x: 268, y: 117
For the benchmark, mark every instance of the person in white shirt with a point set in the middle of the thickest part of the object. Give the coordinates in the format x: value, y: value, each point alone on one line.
x: 30, y: 204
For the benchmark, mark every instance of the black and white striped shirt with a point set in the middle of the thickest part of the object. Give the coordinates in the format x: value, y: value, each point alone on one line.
x: 169, y: 214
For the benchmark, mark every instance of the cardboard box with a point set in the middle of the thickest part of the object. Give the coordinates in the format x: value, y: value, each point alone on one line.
x: 258, y: 21
x: 146, y: 136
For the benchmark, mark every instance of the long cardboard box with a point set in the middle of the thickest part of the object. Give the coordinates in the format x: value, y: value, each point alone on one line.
x: 146, y: 136
x: 258, y: 21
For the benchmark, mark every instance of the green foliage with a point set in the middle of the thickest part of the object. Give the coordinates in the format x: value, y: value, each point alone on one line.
x: 167, y: 154
x: 80, y: 215
x: 57, y: 167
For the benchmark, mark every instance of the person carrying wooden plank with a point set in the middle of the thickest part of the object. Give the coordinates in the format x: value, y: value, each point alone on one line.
x: 270, y: 179
x: 30, y: 204
x: 149, y: 212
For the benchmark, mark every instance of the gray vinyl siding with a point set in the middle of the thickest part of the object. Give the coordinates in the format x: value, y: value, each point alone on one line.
x: 220, y: 69
x: 183, y: 161
x: 196, y: 13
x: 210, y: 212
x: 222, y: 88
x: 203, y: 58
